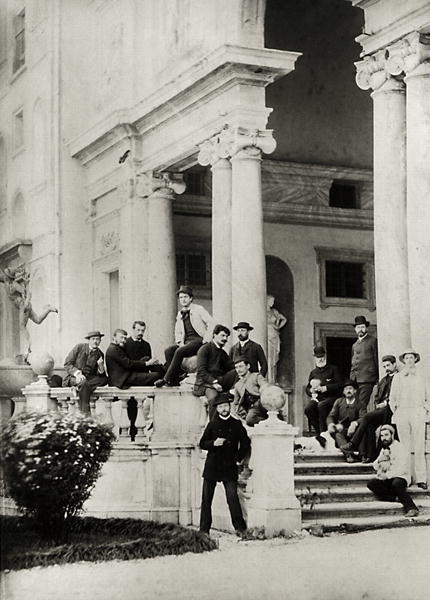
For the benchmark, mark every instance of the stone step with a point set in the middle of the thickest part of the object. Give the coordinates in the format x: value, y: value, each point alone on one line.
x: 335, y: 468
x: 364, y: 523
x: 332, y: 480
x: 339, y: 510
x: 351, y: 493
x: 320, y: 457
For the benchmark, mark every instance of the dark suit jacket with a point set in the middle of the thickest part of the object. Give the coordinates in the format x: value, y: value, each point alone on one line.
x: 77, y: 359
x: 254, y: 353
x: 364, y: 360
x: 221, y: 461
x: 119, y: 366
x: 344, y: 414
x: 212, y: 362
x: 137, y: 350
x: 330, y: 377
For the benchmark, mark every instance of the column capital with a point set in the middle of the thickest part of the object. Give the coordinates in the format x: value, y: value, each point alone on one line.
x: 162, y: 183
x: 232, y: 140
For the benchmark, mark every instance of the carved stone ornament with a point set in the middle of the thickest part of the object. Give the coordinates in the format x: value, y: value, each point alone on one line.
x: 109, y: 242
x: 150, y: 182
x: 232, y: 140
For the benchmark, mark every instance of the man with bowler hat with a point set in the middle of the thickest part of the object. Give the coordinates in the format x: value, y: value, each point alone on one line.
x: 324, y: 386
x: 249, y: 349
x: 85, y: 369
x: 364, y: 360
x: 194, y: 326
x: 344, y: 418
x: 227, y: 444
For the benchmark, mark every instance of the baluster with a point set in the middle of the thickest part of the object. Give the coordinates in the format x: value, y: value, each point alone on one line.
x: 72, y: 407
x: 19, y: 405
x: 140, y: 419
x: 124, y: 422
x: 93, y: 401
x: 149, y: 407
x: 107, y: 418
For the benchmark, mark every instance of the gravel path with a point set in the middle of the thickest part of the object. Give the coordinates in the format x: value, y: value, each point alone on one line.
x: 375, y: 565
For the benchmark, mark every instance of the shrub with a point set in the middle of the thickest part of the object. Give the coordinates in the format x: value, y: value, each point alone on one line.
x: 51, y: 464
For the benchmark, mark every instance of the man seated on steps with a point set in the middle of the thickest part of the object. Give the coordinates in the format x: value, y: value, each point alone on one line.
x: 380, y: 416
x: 247, y: 392
x: 392, y: 475
x: 344, y: 418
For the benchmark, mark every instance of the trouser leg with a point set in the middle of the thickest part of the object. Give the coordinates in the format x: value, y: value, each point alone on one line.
x: 234, y: 505
x: 228, y: 380
x: 404, y: 433
x: 364, y: 393
x: 211, y: 394
x: 324, y: 407
x: 208, y: 491
x: 311, y: 411
x: 364, y: 436
x: 86, y: 389
x: 180, y: 352
x: 399, y: 486
x: 382, y: 489
x: 418, y: 435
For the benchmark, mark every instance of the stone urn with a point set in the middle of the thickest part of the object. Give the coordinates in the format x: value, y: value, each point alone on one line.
x: 273, y: 399
x: 42, y: 364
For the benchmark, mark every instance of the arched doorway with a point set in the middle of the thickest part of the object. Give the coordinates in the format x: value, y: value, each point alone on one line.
x: 280, y: 284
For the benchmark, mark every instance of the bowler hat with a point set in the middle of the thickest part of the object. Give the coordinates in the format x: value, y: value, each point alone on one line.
x: 349, y: 382
x: 91, y: 334
x: 185, y: 289
x: 319, y: 351
x: 410, y: 351
x: 221, y: 398
x: 241, y: 358
x: 243, y: 325
x: 361, y: 320
x: 389, y: 357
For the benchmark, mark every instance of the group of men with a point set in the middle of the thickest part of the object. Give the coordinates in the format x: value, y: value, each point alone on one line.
x: 401, y: 410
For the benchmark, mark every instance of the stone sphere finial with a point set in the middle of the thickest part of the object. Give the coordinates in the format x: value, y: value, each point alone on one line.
x: 41, y: 363
x: 272, y: 398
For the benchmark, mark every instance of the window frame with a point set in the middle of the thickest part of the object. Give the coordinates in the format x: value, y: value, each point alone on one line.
x: 20, y: 63
x: 17, y: 148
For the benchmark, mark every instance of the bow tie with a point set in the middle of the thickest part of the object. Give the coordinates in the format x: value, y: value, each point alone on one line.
x: 185, y: 313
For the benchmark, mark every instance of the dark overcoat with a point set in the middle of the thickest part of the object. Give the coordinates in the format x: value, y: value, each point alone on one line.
x: 221, y: 461
x: 77, y: 359
x: 364, y: 360
x: 212, y: 362
x: 254, y: 353
x: 119, y: 366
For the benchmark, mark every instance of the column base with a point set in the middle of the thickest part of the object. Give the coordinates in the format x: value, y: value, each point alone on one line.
x: 275, y: 521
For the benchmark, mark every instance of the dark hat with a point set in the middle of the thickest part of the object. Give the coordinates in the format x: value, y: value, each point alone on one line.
x: 361, y: 320
x: 319, y: 351
x: 389, y: 357
x: 243, y: 325
x: 185, y: 289
x: 349, y: 382
x: 241, y: 358
x: 410, y: 351
x: 221, y: 398
x: 91, y: 334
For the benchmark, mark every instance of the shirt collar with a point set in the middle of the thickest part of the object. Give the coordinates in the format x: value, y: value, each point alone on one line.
x: 224, y: 418
x: 360, y: 339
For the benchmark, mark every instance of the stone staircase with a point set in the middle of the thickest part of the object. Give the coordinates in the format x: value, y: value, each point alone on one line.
x: 333, y: 495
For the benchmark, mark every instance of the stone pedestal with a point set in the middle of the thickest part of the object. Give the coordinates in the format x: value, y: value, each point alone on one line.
x: 38, y: 397
x: 273, y: 503
x: 176, y: 415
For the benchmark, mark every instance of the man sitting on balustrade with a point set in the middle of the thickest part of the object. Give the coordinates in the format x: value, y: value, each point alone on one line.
x: 247, y: 391
x: 215, y: 369
x: 137, y: 348
x: 193, y: 327
x: 85, y: 369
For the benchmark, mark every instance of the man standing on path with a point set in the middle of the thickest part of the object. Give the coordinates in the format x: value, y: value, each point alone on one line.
x: 227, y: 443
x: 249, y: 349
x: 409, y: 401
x: 364, y: 360
x: 392, y: 475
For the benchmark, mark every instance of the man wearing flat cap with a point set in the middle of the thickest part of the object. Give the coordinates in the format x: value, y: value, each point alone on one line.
x: 85, y: 369
x: 366, y: 430
x: 227, y: 444
x: 344, y: 418
x: 249, y: 349
x: 392, y: 473
x: 324, y: 386
x: 194, y: 326
x: 364, y: 360
x: 410, y: 403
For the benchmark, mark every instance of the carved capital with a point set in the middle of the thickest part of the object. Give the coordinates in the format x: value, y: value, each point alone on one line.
x: 416, y: 55
x: 251, y: 141
x: 217, y: 147
x: 150, y: 182
x: 371, y: 72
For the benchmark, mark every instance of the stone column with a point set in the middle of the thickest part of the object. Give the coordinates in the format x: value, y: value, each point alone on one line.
x: 215, y: 152
x: 248, y: 265
x: 159, y: 265
x: 391, y: 260
x: 417, y: 67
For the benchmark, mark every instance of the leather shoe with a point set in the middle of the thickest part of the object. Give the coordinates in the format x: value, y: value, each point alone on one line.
x: 349, y: 458
x: 413, y: 512
x: 348, y: 447
x: 160, y: 382
x: 423, y: 485
x: 365, y: 460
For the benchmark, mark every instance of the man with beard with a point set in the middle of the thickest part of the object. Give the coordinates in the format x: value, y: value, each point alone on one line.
x: 215, y: 369
x: 364, y: 360
x: 380, y: 416
x: 227, y: 443
x: 324, y: 386
x: 249, y: 349
x: 409, y: 401
x: 344, y: 418
x: 392, y: 476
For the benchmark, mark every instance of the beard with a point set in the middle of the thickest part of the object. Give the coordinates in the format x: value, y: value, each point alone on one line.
x: 386, y: 443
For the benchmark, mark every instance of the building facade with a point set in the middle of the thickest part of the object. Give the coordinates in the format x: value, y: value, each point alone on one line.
x: 224, y: 144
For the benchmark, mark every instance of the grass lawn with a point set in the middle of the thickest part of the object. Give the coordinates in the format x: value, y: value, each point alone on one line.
x: 96, y: 540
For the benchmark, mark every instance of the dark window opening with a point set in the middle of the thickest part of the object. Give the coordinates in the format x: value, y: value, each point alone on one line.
x: 339, y: 354
x: 343, y: 195
x: 195, y: 181
x: 192, y: 269
x: 19, y: 42
x: 345, y: 279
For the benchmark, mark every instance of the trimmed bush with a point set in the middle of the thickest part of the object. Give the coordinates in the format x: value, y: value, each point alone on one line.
x: 51, y: 463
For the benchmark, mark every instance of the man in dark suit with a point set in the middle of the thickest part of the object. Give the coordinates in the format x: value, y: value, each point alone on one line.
x: 124, y: 372
x: 227, y: 443
x: 324, y: 386
x: 85, y: 369
x: 344, y: 418
x: 380, y: 416
x: 215, y: 369
x: 364, y: 360
x: 137, y: 348
x: 249, y: 349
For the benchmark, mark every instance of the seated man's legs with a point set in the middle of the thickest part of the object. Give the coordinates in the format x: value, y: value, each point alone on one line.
x: 176, y: 354
x: 255, y: 414
x: 211, y: 394
x: 85, y: 390
x: 399, y: 486
x: 364, y: 393
x: 138, y: 378
x: 364, y: 437
x: 228, y: 380
x: 382, y: 489
x: 311, y: 411
x: 324, y: 408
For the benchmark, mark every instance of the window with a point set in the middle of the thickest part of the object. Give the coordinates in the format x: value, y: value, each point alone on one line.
x: 343, y: 195
x: 193, y: 270
x: 344, y: 279
x: 195, y: 181
x: 18, y: 134
x: 19, y: 41
x: 113, y: 301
